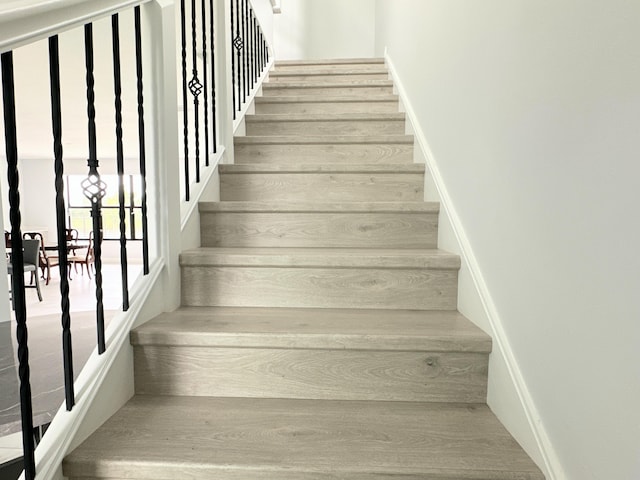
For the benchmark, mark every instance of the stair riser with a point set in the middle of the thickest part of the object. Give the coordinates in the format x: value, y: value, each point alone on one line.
x: 327, y: 78
x: 326, y: 107
x: 322, y: 187
x: 363, y: 91
x: 359, y: 230
x: 413, y: 289
x: 320, y: 154
x: 311, y: 374
x: 330, y: 127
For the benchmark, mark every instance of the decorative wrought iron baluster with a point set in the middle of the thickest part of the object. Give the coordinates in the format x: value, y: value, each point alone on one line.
x: 233, y: 63
x: 243, y: 26
x: 141, y: 142
x: 17, y: 263
x: 261, y: 51
x: 93, y: 187
x: 63, y: 262
x: 238, y: 44
x: 185, y: 113
x: 252, y: 54
x: 255, y: 49
x: 214, y: 112
x: 195, y: 87
x: 117, y: 85
x: 205, y: 82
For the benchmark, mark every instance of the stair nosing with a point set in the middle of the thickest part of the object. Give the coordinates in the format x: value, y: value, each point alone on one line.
x: 354, y: 84
x: 246, y: 206
x: 324, y: 117
x: 326, y: 258
x: 324, y: 139
x: 319, y: 73
x: 331, y: 61
x: 277, y: 328
x: 389, y: 98
x: 249, y: 168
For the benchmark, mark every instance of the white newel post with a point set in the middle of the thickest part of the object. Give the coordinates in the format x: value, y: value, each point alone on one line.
x: 163, y: 148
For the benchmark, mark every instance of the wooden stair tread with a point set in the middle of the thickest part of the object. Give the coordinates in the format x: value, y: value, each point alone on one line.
x: 326, y: 71
x: 330, y: 328
x: 321, y: 257
x: 165, y: 437
x: 240, y: 168
x: 319, y: 207
x: 337, y: 85
x: 323, y: 139
x: 325, y: 99
x: 325, y: 117
x: 335, y: 61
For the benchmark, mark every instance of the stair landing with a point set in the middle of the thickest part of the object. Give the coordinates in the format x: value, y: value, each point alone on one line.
x: 284, y: 439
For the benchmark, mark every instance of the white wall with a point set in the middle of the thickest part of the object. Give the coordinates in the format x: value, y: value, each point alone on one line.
x: 316, y: 29
x: 532, y: 112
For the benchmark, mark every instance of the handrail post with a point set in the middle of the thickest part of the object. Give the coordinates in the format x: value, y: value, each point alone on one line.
x: 164, y: 145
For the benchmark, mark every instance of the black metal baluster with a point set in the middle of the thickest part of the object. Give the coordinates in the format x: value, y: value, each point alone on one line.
x: 195, y: 87
x: 261, y: 50
x: 185, y: 114
x: 141, y: 142
x: 17, y: 264
x: 255, y: 49
x: 117, y: 85
x: 63, y: 263
x: 256, y: 67
x: 233, y: 62
x: 205, y: 82
x: 93, y: 187
x: 266, y: 52
x: 214, y: 112
x: 252, y: 52
x: 243, y: 19
x: 237, y: 43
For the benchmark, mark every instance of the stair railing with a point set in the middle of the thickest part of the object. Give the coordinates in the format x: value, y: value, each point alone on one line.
x: 226, y: 83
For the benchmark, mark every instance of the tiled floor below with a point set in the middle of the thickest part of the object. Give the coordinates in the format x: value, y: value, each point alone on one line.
x: 45, y: 348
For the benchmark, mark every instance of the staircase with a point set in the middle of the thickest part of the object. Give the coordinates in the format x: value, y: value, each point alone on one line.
x: 318, y: 337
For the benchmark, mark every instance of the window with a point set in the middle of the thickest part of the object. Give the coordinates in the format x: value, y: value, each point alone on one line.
x: 79, y: 207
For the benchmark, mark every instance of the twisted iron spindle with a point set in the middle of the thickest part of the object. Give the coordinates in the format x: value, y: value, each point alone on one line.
x: 213, y: 79
x: 195, y: 87
x: 93, y: 181
x: 141, y: 142
x: 117, y: 90
x: 185, y: 114
x: 205, y: 82
x: 63, y: 262
x: 17, y: 262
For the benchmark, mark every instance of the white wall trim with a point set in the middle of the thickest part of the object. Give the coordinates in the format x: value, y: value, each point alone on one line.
x: 64, y: 427
x: 500, y: 340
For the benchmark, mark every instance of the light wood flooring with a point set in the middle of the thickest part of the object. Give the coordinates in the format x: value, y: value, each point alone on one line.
x: 318, y: 337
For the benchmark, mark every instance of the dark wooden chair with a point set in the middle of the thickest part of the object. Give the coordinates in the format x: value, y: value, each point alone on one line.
x: 30, y: 256
x: 72, y: 239
x: 45, y: 261
x: 88, y: 259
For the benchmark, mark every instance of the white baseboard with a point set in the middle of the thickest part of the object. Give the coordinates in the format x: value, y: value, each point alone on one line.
x: 501, y: 346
